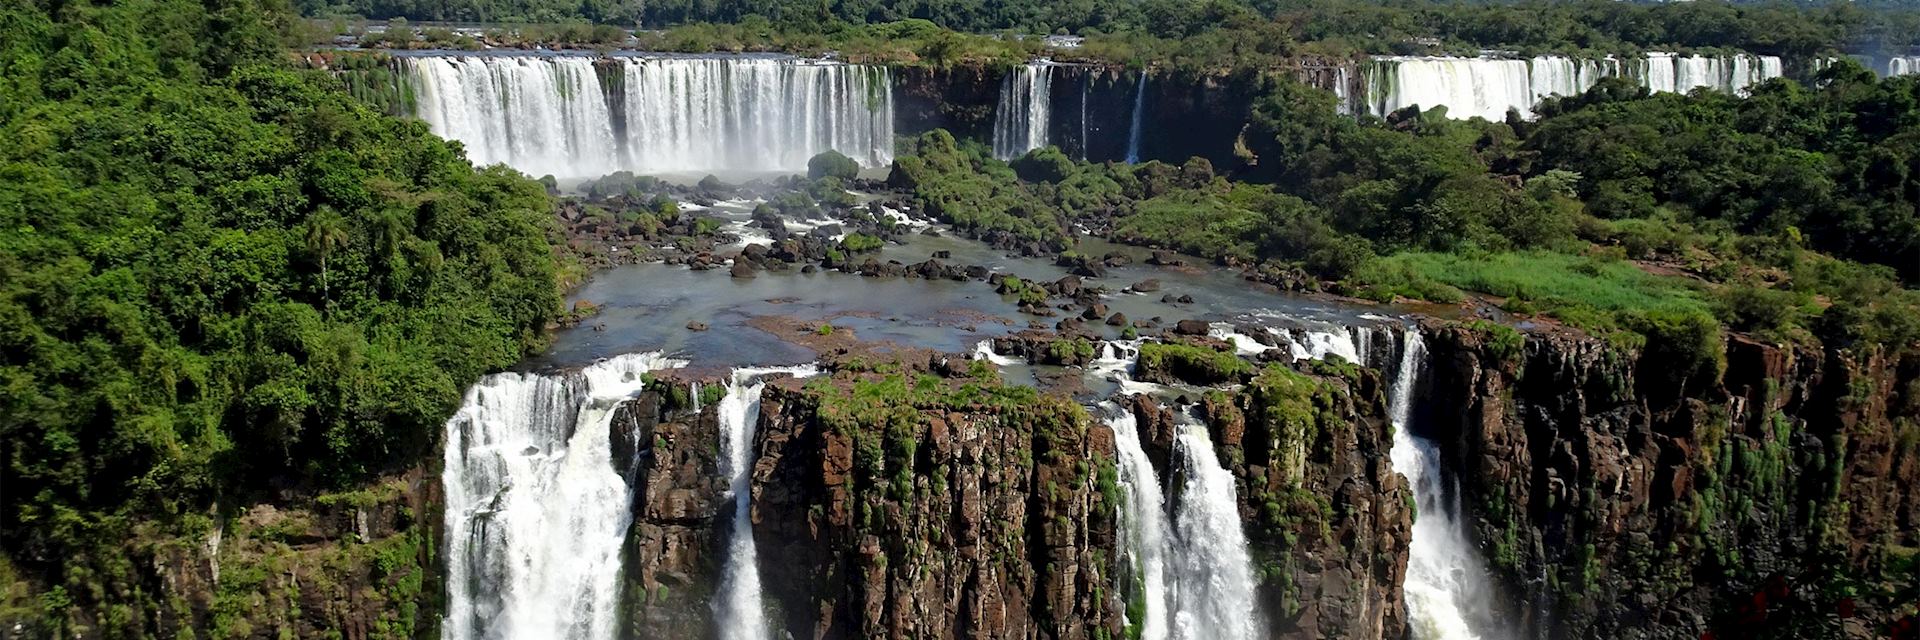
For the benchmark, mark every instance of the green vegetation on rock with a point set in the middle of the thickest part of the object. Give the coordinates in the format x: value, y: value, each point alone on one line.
x: 1190, y: 363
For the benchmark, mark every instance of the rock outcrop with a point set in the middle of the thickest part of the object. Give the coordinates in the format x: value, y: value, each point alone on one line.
x: 927, y: 507
x: 671, y: 561
x: 1328, y: 520
x: 1744, y: 489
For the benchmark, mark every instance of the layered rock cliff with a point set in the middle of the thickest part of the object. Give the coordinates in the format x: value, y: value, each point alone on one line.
x: 915, y: 505
x: 1753, y: 490
x: 671, y: 560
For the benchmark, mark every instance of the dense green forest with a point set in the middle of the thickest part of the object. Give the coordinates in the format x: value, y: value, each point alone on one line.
x: 222, y: 279
x: 1658, y: 217
x: 1398, y: 26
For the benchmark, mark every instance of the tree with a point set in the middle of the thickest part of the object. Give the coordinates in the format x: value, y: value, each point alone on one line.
x: 326, y: 233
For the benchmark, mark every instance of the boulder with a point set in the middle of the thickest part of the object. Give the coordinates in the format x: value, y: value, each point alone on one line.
x: 1148, y: 285
x: 1191, y: 327
x: 1068, y: 286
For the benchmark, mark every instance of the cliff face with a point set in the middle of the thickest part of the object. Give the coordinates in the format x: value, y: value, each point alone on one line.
x: 933, y: 513
x: 357, y: 565
x: 1091, y: 109
x: 671, y: 559
x: 1619, y: 499
x: 1326, y: 516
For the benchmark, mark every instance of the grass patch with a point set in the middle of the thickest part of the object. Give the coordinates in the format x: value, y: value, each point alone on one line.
x: 1197, y: 365
x: 1584, y: 291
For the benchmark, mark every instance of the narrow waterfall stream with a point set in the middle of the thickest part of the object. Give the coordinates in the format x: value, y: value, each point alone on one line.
x: 1135, y: 129
x: 1143, y: 521
x: 1446, y: 580
x: 535, y: 508
x: 1213, y: 581
x: 738, y: 613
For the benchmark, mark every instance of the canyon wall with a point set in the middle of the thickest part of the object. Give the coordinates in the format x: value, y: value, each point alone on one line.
x: 1755, y: 490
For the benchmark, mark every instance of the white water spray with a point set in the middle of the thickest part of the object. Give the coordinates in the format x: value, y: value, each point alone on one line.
x: 1143, y: 521
x: 557, y: 115
x: 1021, y: 118
x: 738, y: 612
x: 1488, y: 87
x: 1135, y: 130
x: 535, y: 509
x: 1213, y: 582
x: 1445, y: 576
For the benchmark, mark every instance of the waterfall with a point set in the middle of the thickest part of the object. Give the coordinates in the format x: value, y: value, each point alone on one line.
x: 1317, y: 345
x: 1901, y: 66
x: 737, y: 612
x: 1021, y: 118
x: 1212, y: 573
x: 1467, y: 87
x: 539, y: 115
x: 1445, y: 577
x: 535, y: 509
x: 1143, y: 523
x: 983, y: 350
x: 573, y: 116
x: 1342, y: 90
x: 1134, y: 130
x: 1488, y: 87
x: 1086, y: 88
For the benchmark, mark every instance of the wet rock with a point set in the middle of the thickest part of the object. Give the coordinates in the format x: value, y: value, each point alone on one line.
x: 1117, y: 320
x: 1148, y: 285
x: 1191, y: 327
x: 1117, y: 259
x: 1166, y: 259
x: 809, y: 269
x: 742, y: 269
x: 1068, y: 286
x: 943, y: 255
x: 696, y: 325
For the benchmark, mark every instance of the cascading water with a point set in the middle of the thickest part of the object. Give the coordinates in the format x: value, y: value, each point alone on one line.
x: 738, y: 613
x: 535, y: 508
x: 1136, y: 129
x: 1189, y: 573
x: 1488, y: 87
x: 539, y: 115
x: 1212, y: 574
x: 1446, y: 585
x: 1022, y: 116
x: 1901, y: 66
x: 1143, y: 521
x: 567, y: 116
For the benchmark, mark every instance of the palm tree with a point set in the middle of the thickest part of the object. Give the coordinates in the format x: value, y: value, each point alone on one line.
x: 326, y: 233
